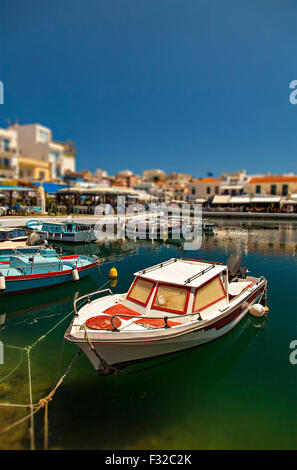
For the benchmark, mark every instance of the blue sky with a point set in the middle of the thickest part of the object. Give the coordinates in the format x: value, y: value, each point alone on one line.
x: 193, y: 86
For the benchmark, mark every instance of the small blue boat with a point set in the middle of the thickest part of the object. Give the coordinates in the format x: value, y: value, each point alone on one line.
x: 20, y: 273
x: 63, y: 231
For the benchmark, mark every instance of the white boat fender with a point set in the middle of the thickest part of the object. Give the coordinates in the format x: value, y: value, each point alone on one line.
x: 257, y: 310
x: 75, y: 274
x: 2, y: 282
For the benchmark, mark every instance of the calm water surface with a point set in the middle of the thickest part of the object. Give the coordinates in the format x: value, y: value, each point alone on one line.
x: 239, y: 392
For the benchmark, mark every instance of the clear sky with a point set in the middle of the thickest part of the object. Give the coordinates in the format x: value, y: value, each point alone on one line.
x: 192, y: 86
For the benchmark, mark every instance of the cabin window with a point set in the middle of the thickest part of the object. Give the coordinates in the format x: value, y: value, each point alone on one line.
x: 140, y: 291
x: 171, y: 298
x: 209, y: 294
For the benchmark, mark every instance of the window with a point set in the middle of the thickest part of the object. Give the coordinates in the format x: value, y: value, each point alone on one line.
x: 171, y: 298
x: 140, y: 291
x: 273, y: 189
x: 258, y: 189
x: 285, y: 189
x: 193, y: 191
x: 43, y: 136
x: 209, y: 294
x: 55, y: 155
x: 6, y: 144
x: 216, y: 190
x: 41, y: 175
x: 208, y: 189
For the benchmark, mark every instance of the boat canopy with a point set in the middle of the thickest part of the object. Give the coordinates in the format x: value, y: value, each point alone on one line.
x: 183, y: 272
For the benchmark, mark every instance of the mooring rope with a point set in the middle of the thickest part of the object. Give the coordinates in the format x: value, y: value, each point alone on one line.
x: 43, y: 402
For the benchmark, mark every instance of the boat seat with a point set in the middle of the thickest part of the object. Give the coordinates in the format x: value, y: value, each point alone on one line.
x: 236, y: 288
x: 126, y: 312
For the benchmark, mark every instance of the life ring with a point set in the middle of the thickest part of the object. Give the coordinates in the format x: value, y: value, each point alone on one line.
x: 103, y: 322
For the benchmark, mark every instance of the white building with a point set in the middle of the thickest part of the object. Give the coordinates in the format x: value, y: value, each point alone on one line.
x: 8, y: 153
x: 36, y: 143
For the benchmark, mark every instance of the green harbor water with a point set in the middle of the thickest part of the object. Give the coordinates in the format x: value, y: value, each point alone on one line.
x: 239, y: 392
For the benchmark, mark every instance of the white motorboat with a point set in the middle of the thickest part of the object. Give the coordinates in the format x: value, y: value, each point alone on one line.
x: 170, y: 307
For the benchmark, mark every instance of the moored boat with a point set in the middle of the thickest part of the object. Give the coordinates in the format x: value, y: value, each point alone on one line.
x: 22, y: 272
x: 170, y: 307
x: 63, y: 231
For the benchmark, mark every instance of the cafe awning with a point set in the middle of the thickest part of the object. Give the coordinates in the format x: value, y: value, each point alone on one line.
x: 221, y: 199
x: 240, y: 200
x: 266, y: 199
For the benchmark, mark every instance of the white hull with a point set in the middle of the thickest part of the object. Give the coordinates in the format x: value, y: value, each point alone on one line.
x: 124, y: 353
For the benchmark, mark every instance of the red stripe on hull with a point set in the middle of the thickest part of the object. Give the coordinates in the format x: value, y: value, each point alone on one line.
x: 57, y: 273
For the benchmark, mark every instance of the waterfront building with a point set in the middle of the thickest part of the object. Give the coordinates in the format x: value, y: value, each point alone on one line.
x: 281, y: 185
x: 8, y: 154
x: 203, y: 188
x: 35, y: 142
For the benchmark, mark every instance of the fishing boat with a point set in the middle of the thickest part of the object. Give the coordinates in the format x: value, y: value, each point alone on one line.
x: 63, y: 231
x: 170, y: 307
x: 20, y: 272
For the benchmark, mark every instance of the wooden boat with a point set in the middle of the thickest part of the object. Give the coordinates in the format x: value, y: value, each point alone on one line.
x: 63, y: 231
x: 25, y: 273
x: 170, y: 307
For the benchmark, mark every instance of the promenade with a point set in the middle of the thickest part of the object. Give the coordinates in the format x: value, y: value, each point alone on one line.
x: 20, y: 221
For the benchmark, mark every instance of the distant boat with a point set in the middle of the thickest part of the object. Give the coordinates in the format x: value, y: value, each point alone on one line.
x: 63, y: 231
x: 25, y: 273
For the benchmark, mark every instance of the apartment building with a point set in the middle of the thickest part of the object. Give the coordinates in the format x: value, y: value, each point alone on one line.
x: 39, y: 156
x: 8, y: 153
x: 280, y: 185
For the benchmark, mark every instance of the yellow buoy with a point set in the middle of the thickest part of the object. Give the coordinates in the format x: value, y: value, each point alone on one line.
x: 113, y: 274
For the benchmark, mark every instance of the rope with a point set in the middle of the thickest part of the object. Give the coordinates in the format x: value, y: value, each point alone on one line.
x: 104, y: 367
x: 43, y: 402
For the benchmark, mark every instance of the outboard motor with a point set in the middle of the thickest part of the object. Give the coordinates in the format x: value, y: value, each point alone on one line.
x: 235, y: 270
x: 34, y: 239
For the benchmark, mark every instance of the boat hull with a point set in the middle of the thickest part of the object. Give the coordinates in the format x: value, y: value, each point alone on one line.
x: 84, y: 236
x: 122, y: 353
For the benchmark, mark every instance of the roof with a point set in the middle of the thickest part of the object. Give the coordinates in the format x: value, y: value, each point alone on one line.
x: 208, y: 180
x: 274, y: 179
x: 179, y: 271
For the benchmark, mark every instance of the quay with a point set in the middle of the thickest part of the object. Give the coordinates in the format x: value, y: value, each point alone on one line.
x: 20, y: 221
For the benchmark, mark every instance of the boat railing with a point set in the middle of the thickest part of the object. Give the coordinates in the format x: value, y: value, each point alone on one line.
x: 146, y: 317
x: 199, y: 274
x: 48, y: 265
x: 88, y: 297
x: 156, y: 266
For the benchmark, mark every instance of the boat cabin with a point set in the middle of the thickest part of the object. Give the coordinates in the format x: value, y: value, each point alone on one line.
x: 63, y: 227
x: 179, y: 288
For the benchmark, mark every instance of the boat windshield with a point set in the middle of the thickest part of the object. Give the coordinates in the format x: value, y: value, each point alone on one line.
x: 209, y: 294
x: 140, y: 291
x: 171, y: 299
